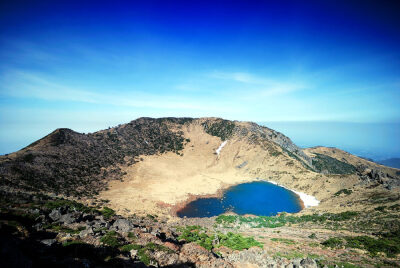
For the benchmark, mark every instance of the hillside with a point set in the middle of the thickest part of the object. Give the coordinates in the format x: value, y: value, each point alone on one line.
x: 144, y: 171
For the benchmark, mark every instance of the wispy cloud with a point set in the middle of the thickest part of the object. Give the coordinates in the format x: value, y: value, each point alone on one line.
x: 258, y: 86
x: 21, y: 84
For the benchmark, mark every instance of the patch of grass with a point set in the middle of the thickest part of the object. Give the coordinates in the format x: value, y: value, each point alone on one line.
x: 60, y: 228
x: 129, y: 247
x: 131, y: 235
x: 283, y: 219
x: 343, y: 191
x: 73, y: 242
x: 231, y: 240
x: 194, y: 233
x: 152, y: 217
x: 326, y: 164
x: 284, y: 240
x: 107, y: 212
x: 380, y: 208
x: 391, y: 247
x: 220, y: 128
x: 144, y: 257
x: 55, y: 204
x: 237, y: 241
x: 333, y: 242
x: 275, y: 153
x: 314, y: 256
x: 111, y: 239
x: 312, y: 236
x: 314, y: 244
x: 290, y: 255
x: 143, y: 251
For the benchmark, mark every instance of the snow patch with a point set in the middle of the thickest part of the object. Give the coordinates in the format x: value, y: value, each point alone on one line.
x: 220, y: 147
x: 308, y: 200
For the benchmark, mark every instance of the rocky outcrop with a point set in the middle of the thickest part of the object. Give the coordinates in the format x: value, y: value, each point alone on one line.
x: 377, y: 176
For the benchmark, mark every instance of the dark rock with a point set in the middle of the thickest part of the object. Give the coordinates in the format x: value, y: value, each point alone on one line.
x: 69, y: 218
x: 55, y: 214
x: 48, y: 242
x: 122, y: 225
x: 86, y: 232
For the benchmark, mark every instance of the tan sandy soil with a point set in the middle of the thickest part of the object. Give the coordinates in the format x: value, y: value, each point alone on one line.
x: 159, y: 182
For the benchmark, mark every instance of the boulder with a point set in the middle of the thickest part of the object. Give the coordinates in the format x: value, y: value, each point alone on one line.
x: 122, y: 225
x: 308, y: 263
x: 194, y: 253
x: 48, y: 242
x: 86, y: 232
x: 68, y: 218
x: 55, y: 214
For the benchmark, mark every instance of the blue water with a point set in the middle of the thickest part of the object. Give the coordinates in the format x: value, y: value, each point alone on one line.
x: 257, y: 198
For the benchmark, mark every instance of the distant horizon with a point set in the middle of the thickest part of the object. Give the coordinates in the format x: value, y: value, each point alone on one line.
x: 304, y: 134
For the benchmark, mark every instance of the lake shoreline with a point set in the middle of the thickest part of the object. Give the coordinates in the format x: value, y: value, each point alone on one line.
x: 303, y: 200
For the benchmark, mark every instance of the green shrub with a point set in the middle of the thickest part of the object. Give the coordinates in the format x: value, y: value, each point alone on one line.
x: 69, y: 203
x: 237, y: 241
x: 234, y: 241
x: 343, y: 191
x: 312, y: 236
x: 107, y: 212
x: 129, y: 247
x: 221, y: 128
x: 111, y: 239
x: 196, y: 234
x: 391, y: 247
x: 73, y: 242
x: 333, y: 242
x: 324, y: 163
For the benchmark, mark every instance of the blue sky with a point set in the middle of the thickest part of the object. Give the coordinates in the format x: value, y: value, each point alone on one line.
x: 96, y: 64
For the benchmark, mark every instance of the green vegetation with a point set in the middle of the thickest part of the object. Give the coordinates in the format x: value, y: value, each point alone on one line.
x: 220, y: 128
x: 275, y: 153
x: 312, y: 236
x: 390, y: 245
x: 143, y: 252
x: 333, y: 242
x: 28, y: 158
x: 111, y: 239
x: 343, y: 191
x: 283, y: 219
x: 69, y: 203
x: 60, y: 228
x: 290, y: 255
x: 107, y: 212
x: 231, y: 240
x: 131, y: 235
x: 237, y: 241
x: 194, y: 233
x: 73, y: 242
x: 330, y: 165
x: 129, y: 247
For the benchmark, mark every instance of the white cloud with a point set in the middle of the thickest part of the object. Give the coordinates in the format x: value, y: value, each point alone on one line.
x: 28, y: 85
